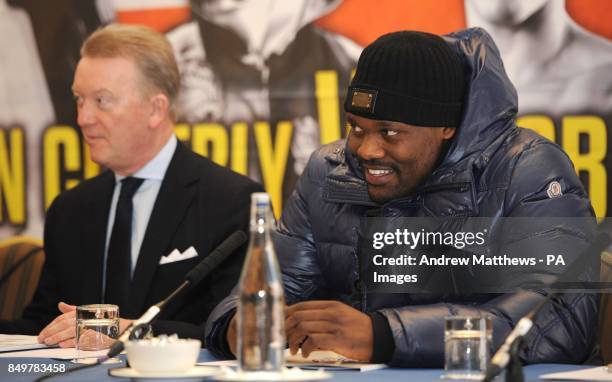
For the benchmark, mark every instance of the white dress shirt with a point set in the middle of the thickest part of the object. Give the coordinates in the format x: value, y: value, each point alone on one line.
x: 143, y: 201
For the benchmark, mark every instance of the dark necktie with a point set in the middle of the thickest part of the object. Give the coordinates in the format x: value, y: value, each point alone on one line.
x: 119, y: 255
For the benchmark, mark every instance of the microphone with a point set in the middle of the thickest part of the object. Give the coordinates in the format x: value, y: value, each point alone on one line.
x: 193, y: 277
x: 216, y: 257
x: 503, y: 356
x: 501, y: 359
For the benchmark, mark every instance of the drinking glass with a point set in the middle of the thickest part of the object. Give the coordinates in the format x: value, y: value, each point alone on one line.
x: 467, y: 347
x: 97, y: 327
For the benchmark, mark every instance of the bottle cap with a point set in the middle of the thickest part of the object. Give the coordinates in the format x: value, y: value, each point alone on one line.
x: 260, y: 198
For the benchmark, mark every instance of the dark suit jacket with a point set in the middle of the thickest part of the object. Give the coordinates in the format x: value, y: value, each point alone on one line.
x: 199, y: 203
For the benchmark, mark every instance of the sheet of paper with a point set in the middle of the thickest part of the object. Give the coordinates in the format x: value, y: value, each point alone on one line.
x: 14, y: 342
x: 327, y: 356
x: 340, y: 366
x: 56, y: 353
x: 600, y: 373
x: 307, y: 364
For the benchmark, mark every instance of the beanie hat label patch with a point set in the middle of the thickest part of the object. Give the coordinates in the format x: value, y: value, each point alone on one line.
x: 364, y: 99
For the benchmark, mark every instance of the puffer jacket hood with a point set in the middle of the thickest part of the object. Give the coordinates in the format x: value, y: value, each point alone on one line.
x: 489, y: 111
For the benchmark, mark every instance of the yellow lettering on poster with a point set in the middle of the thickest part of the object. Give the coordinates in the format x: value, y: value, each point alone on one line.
x: 240, y: 147
x: 592, y: 162
x: 347, y: 127
x: 273, y: 159
x: 12, y: 175
x: 182, y: 132
x: 213, y: 135
x: 56, y: 137
x: 541, y: 124
x: 326, y: 91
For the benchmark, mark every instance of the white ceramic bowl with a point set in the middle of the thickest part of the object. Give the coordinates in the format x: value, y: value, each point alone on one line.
x: 147, y: 356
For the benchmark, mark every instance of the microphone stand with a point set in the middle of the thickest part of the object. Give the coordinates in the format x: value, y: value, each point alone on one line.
x: 508, y: 355
x: 144, y: 320
x: 509, y: 352
x: 514, y: 370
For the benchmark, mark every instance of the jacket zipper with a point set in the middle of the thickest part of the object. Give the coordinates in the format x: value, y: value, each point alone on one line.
x: 460, y: 187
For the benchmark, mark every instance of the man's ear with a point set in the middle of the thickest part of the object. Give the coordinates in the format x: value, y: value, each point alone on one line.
x: 448, y: 132
x: 160, y: 108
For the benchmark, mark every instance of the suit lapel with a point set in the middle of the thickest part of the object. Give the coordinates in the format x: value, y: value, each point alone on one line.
x: 93, y: 232
x: 177, y: 192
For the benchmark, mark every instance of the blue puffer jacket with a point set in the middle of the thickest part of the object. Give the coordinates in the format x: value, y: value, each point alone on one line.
x: 493, y: 169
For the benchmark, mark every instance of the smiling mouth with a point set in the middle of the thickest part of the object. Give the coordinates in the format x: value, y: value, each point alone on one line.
x: 378, y: 177
x: 378, y: 172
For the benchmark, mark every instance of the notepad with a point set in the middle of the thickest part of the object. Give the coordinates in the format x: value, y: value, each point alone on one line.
x: 328, y: 360
x: 55, y: 353
x: 319, y: 359
x: 600, y: 373
x: 16, y: 342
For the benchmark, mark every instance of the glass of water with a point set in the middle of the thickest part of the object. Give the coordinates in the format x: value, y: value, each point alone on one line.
x: 467, y: 347
x: 97, y: 327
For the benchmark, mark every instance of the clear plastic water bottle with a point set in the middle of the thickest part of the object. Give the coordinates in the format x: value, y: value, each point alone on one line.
x: 261, y: 318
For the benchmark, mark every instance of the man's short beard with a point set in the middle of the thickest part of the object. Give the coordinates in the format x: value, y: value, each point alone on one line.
x: 393, y: 195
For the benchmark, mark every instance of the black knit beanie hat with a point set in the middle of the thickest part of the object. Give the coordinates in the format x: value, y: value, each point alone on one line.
x: 410, y: 77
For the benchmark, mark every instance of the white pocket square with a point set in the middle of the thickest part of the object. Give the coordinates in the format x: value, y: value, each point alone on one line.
x: 176, y: 255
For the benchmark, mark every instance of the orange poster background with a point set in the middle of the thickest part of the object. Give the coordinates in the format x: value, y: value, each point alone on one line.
x: 364, y: 20
x: 159, y: 19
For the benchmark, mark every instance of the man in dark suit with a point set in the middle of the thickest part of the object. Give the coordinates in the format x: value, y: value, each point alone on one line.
x: 109, y: 239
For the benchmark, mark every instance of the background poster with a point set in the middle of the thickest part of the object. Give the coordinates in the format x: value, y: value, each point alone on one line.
x: 263, y: 82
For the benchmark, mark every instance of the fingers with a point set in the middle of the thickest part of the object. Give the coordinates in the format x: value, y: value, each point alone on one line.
x: 319, y: 341
x: 123, y: 324
x: 329, y: 325
x: 63, y: 334
x: 50, y: 329
x: 293, y: 319
x: 297, y: 336
x: 312, y: 305
x: 232, y: 334
x: 61, y: 328
x: 65, y: 308
x: 71, y: 343
x: 305, y: 319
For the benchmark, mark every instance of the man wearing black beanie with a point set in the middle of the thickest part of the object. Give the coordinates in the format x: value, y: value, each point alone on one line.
x: 408, y: 90
x: 432, y: 134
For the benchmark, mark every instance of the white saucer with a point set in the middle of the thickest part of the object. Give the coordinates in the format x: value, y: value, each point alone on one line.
x: 196, y: 372
x: 288, y: 375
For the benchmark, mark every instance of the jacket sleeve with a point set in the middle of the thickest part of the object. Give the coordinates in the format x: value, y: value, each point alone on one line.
x: 565, y: 328
x: 292, y: 235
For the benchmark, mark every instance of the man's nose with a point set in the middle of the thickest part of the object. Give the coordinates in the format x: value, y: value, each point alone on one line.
x: 370, y: 148
x: 85, y: 114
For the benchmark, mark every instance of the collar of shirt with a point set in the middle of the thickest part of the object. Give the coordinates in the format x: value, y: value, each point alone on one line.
x: 156, y: 168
